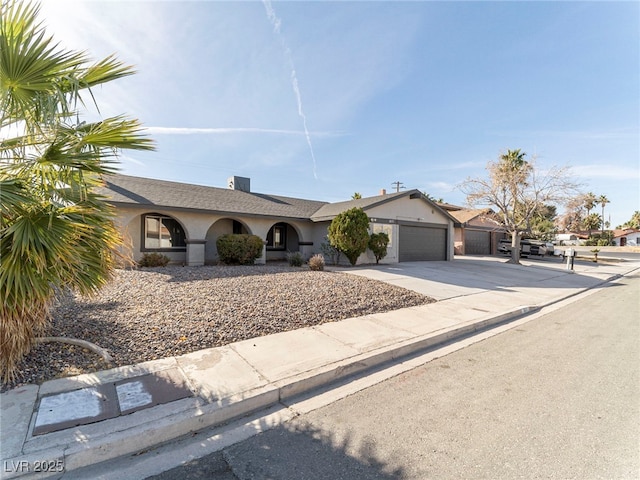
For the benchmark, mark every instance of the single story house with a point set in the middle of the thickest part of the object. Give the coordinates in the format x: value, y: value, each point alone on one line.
x: 627, y: 237
x: 476, y: 231
x: 183, y: 221
x: 570, y: 238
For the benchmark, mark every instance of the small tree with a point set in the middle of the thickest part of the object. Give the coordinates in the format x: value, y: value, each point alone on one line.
x: 349, y: 233
x: 378, y: 243
x: 517, y: 189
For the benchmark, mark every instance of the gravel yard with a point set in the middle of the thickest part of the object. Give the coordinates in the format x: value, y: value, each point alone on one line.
x: 148, y: 314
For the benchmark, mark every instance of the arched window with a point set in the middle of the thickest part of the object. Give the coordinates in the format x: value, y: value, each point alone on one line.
x: 161, y: 232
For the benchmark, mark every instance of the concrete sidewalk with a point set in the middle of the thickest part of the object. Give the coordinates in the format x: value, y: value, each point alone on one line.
x: 66, y: 424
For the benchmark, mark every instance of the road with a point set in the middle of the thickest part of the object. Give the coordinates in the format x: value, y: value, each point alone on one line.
x: 556, y: 397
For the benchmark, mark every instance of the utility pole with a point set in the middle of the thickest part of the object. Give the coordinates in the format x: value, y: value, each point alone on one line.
x: 398, y: 185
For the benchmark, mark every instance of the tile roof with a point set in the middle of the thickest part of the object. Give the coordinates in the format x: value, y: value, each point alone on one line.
x: 127, y: 190
x: 465, y: 215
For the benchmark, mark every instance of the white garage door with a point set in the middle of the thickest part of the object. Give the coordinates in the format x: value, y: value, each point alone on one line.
x: 422, y: 243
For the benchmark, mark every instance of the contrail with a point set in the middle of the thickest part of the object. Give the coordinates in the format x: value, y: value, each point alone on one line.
x: 275, y: 21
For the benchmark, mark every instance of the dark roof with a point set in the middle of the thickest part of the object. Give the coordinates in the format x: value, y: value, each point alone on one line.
x: 330, y: 210
x: 127, y: 190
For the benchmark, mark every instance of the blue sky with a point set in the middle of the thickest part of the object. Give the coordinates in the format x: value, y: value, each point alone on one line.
x: 320, y: 100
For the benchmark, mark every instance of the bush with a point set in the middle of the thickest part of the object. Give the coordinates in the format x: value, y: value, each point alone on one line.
x: 239, y: 249
x: 349, y: 233
x: 153, y: 260
x: 316, y: 262
x: 295, y: 259
x: 332, y: 253
x: 378, y: 245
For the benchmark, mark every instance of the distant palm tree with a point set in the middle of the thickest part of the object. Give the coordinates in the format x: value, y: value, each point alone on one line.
x: 603, y: 200
x: 56, y: 232
x: 593, y: 221
x: 589, y: 201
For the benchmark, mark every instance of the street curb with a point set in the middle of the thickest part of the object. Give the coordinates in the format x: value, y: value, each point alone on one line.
x: 167, y: 422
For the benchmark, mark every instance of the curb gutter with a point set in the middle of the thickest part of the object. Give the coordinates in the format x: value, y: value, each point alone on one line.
x: 68, y: 450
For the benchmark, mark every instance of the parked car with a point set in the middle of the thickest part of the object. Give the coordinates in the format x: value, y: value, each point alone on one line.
x: 527, y: 247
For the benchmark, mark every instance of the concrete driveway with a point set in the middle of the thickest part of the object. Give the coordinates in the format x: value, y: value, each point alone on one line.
x: 469, y: 275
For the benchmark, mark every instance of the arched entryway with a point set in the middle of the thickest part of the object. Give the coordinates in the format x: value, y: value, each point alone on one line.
x: 281, y: 239
x: 221, y: 227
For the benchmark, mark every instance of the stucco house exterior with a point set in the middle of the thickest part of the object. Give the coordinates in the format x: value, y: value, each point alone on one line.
x: 476, y: 231
x: 183, y: 220
x: 627, y: 237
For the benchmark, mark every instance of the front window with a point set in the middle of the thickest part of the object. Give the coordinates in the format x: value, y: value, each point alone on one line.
x: 162, y: 232
x: 277, y: 237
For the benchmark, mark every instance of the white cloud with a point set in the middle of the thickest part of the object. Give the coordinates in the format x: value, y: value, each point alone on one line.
x: 606, y: 171
x: 225, y: 131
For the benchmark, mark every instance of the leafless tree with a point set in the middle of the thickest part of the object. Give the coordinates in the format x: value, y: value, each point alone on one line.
x: 518, y: 189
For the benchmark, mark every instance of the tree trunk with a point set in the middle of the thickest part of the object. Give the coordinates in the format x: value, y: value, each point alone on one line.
x: 515, y: 248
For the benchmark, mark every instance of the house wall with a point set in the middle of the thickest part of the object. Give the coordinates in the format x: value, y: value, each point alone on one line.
x: 406, y: 209
x: 632, y: 240
x: 385, y: 218
x: 478, y: 223
x: 202, y: 229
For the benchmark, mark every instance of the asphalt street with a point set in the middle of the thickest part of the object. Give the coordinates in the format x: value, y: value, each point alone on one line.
x: 556, y: 397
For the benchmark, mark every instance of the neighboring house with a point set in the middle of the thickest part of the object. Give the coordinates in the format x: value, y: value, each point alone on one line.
x: 570, y: 238
x: 627, y: 237
x: 477, y: 231
x: 183, y: 221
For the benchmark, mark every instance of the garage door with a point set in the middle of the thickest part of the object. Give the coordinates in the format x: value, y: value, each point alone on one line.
x: 422, y: 243
x: 477, y: 242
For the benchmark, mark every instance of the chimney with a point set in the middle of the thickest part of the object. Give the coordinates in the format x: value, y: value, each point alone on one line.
x: 239, y: 183
x: 383, y: 191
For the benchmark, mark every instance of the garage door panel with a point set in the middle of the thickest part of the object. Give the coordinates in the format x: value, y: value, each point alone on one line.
x: 477, y: 242
x: 422, y: 243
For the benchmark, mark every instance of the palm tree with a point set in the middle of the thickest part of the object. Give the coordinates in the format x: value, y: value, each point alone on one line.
x: 593, y: 221
x: 603, y: 200
x: 590, y: 201
x: 56, y: 232
x: 513, y: 173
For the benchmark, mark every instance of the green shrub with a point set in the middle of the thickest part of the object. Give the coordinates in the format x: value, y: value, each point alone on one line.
x: 153, y: 260
x: 295, y: 259
x: 239, y: 249
x: 316, y: 262
x: 378, y: 245
x: 349, y: 233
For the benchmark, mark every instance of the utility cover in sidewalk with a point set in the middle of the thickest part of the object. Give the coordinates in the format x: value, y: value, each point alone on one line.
x: 79, y: 407
x: 149, y: 390
x: 93, y: 404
